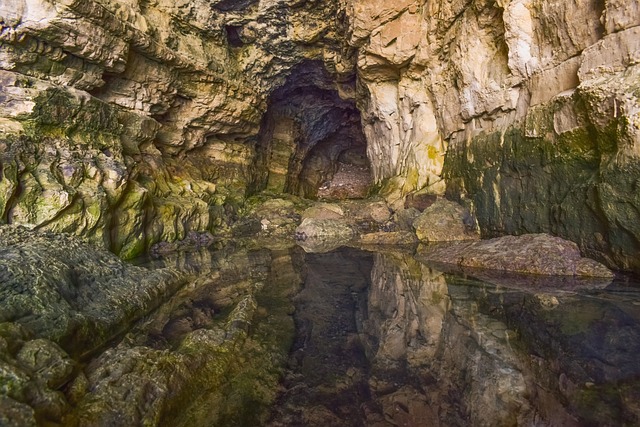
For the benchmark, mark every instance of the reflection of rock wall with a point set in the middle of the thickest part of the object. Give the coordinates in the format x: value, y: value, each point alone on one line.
x: 461, y: 358
x: 407, y: 304
x: 471, y: 353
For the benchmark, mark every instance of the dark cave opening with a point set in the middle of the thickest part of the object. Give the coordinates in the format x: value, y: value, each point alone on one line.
x: 233, y: 35
x: 311, y: 142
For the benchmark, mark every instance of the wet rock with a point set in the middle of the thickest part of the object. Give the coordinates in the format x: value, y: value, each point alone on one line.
x: 271, y: 217
x: 419, y: 201
x: 48, y: 360
x: 16, y: 414
x: 194, y: 241
x: 70, y: 292
x: 388, y: 238
x: 171, y: 367
x: 445, y: 221
x: 529, y: 253
x: 323, y: 233
x: 404, y: 218
x: 376, y: 211
x: 324, y: 211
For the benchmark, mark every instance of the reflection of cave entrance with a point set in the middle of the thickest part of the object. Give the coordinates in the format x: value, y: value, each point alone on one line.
x: 311, y: 142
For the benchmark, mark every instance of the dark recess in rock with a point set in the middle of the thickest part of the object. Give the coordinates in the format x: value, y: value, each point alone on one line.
x: 308, y: 134
x: 233, y: 35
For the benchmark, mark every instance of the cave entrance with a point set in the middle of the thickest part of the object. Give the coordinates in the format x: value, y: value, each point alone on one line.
x: 311, y: 142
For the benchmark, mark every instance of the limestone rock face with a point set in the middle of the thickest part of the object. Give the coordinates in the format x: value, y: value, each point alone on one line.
x: 132, y: 123
x: 527, y: 108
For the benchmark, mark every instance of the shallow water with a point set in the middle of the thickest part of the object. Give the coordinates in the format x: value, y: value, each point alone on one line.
x: 383, y: 339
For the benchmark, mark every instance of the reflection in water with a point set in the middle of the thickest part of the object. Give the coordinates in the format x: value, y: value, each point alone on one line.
x: 385, y: 340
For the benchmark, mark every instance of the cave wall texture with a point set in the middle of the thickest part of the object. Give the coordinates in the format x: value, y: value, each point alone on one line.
x: 135, y: 121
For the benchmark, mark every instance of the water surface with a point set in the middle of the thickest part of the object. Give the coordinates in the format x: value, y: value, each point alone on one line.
x: 357, y: 338
x: 383, y: 339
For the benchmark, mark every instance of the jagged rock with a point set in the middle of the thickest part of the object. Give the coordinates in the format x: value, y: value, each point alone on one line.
x: 63, y: 299
x: 529, y: 253
x: 50, y: 362
x: 445, y: 221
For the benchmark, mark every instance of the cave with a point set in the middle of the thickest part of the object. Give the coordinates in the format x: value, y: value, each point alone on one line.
x: 234, y: 37
x: 311, y: 142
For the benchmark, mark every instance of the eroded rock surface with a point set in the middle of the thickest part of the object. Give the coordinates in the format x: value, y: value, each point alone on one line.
x: 133, y: 123
x: 68, y: 291
x: 445, y: 221
x: 529, y: 253
x: 86, y: 339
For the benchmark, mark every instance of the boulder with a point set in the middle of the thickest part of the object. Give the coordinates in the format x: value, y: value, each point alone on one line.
x: 323, y: 211
x: 530, y: 253
x: 320, y: 235
x: 445, y: 221
x: 388, y: 238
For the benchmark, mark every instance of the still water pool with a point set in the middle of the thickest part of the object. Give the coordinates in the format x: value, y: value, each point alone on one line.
x: 358, y: 338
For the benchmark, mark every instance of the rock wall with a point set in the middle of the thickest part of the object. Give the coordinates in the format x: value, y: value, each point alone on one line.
x: 132, y: 122
x: 528, y: 109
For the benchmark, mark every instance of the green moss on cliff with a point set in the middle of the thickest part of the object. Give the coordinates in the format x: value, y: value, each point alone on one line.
x: 57, y: 112
x: 530, y: 179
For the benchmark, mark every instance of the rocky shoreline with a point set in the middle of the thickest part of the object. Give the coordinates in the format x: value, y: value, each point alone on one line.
x: 87, y: 339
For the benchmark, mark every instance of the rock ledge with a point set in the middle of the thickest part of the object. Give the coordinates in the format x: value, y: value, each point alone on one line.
x: 530, y: 253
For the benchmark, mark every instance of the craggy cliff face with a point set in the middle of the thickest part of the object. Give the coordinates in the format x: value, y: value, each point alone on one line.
x: 132, y: 122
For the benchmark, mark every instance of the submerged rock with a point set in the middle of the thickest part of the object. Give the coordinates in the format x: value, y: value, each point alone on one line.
x: 530, y: 253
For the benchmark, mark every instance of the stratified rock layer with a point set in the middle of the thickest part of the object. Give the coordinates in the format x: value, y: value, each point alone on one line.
x: 132, y: 123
